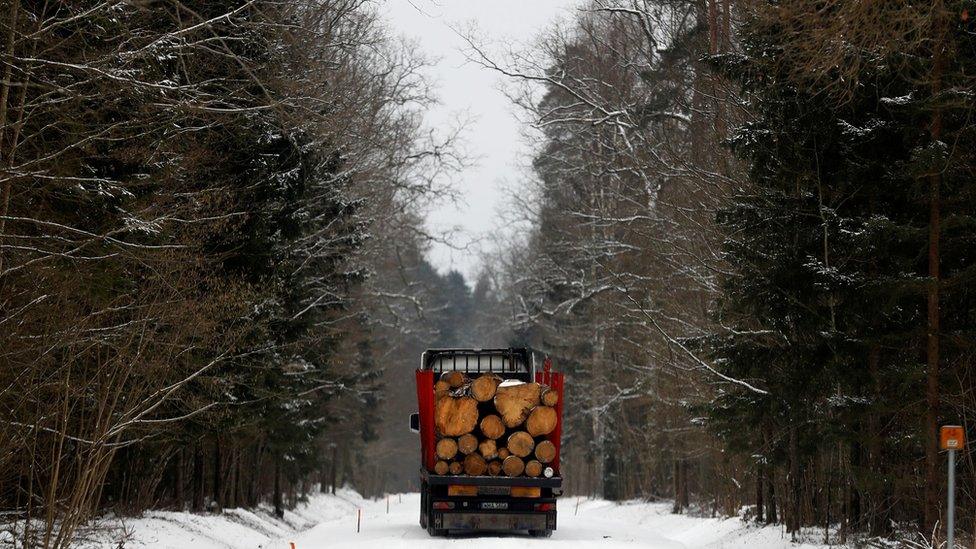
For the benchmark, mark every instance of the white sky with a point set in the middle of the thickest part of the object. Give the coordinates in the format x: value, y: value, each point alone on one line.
x: 469, y: 91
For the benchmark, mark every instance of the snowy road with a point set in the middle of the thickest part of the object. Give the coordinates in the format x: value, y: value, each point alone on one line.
x: 597, y: 523
x: 329, y: 522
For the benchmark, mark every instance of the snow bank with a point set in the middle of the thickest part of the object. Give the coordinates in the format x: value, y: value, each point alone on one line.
x: 232, y: 529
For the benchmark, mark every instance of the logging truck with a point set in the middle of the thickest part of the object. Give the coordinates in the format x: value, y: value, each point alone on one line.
x: 489, y: 426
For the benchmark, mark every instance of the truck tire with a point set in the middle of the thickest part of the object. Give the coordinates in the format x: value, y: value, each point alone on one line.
x: 540, y: 533
x: 435, y: 533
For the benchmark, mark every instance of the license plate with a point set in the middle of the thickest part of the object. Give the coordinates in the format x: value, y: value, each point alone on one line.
x: 494, y: 505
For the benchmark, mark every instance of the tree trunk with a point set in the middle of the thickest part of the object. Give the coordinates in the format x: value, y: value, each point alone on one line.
x: 216, y: 476
x: 932, y: 483
x: 279, y: 508
x: 760, y: 486
x: 179, y: 492
x: 198, y: 478
x: 793, y: 521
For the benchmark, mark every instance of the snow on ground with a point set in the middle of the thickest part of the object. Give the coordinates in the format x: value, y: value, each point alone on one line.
x: 328, y: 521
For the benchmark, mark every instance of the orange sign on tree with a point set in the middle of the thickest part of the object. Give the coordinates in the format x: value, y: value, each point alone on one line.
x: 952, y: 437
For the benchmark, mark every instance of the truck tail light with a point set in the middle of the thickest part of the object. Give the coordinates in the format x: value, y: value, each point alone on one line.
x: 526, y: 492
x: 545, y: 506
x: 461, y: 490
x: 442, y: 505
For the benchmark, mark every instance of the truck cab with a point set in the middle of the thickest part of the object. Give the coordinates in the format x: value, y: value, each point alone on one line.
x: 465, y: 503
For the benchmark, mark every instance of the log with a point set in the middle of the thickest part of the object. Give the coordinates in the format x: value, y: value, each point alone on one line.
x: 456, y: 468
x: 520, y: 444
x: 441, y: 467
x: 446, y: 449
x: 533, y: 468
x: 513, y: 466
x: 475, y: 465
x: 541, y: 421
x: 441, y: 385
x: 492, y: 426
x: 503, y: 453
x: 488, y: 449
x: 483, y: 389
x: 454, y: 378
x: 514, y: 402
x: 549, y: 396
x: 545, y: 451
x: 467, y: 444
x: 494, y: 468
x: 454, y: 417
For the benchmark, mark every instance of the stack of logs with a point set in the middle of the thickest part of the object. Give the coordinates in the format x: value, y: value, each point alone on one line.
x: 487, y: 426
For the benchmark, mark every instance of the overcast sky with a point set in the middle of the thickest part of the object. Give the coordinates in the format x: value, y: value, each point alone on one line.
x: 472, y: 92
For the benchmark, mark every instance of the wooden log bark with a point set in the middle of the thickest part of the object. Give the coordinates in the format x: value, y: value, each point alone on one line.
x: 454, y: 417
x: 467, y: 443
x: 494, y: 468
x: 475, y: 465
x: 533, y: 468
x: 520, y: 444
x: 441, y: 389
x: 488, y: 449
x: 483, y: 389
x: 456, y: 468
x: 541, y: 421
x: 441, y: 467
x: 513, y: 466
x: 492, y: 426
x: 549, y: 396
x: 446, y: 449
x: 545, y: 451
x: 514, y: 402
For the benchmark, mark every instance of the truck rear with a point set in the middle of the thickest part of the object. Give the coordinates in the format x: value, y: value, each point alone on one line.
x: 508, y: 499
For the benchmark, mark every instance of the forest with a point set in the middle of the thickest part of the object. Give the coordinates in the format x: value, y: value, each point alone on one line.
x: 745, y: 235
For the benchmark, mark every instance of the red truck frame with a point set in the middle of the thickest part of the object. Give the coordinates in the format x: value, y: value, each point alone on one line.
x: 484, y: 503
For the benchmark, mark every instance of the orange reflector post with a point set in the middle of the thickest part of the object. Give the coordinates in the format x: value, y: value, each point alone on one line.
x: 952, y: 437
x: 526, y: 492
x: 461, y: 490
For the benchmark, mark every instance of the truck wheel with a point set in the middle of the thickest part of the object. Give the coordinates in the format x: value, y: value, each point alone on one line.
x: 540, y: 533
x: 435, y: 533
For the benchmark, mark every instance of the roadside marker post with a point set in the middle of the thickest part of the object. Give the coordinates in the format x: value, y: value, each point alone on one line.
x: 359, y: 519
x: 387, y: 504
x: 951, y: 438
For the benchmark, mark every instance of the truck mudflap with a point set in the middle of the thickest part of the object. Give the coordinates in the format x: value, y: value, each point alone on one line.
x: 493, y: 521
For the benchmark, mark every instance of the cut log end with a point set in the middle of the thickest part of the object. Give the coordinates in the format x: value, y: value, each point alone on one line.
x: 492, y: 426
x: 513, y: 466
x: 456, y: 468
x: 446, y: 449
x: 545, y: 451
x: 494, y: 468
x: 503, y: 453
x: 533, y: 468
x: 454, y: 378
x: 475, y: 465
x: 441, y: 468
x: 488, y: 449
x: 520, y: 444
x: 549, y: 397
x: 454, y: 417
x: 514, y: 402
x: 467, y: 443
x: 541, y: 421
x: 483, y: 389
